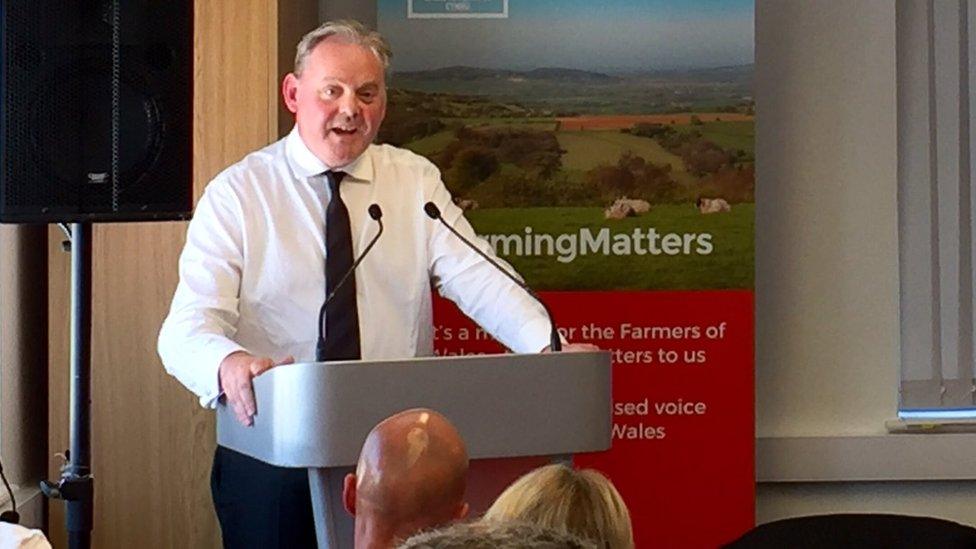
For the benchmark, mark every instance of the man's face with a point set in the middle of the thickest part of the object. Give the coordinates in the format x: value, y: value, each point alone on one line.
x: 339, y: 101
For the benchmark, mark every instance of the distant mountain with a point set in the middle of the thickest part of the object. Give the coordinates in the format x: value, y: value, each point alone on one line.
x: 456, y: 73
x: 732, y: 73
x: 553, y: 73
x: 475, y: 73
x: 465, y: 92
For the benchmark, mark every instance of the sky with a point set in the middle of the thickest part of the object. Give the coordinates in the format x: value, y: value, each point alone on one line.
x: 600, y: 35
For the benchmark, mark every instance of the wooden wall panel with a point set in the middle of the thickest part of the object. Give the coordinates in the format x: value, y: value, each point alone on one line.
x: 23, y: 364
x: 152, y: 444
x: 59, y: 336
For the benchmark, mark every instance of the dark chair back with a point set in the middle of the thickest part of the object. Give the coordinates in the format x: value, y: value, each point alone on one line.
x: 858, y: 530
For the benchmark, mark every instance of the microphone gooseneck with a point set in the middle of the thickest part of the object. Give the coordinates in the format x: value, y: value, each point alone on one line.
x: 555, y: 344
x: 376, y: 214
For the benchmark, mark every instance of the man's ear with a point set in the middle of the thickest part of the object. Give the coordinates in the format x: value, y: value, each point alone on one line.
x: 289, y: 91
x: 462, y: 511
x: 349, y: 493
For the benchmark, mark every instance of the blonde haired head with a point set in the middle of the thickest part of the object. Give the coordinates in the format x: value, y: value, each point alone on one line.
x: 580, y: 502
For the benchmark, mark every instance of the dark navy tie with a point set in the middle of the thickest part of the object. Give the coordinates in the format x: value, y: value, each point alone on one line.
x: 341, y: 314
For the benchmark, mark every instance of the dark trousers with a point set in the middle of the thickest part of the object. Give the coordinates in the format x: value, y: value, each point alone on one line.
x: 260, y: 505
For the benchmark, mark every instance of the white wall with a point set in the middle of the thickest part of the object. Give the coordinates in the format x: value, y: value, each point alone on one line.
x: 827, y: 328
x: 826, y: 217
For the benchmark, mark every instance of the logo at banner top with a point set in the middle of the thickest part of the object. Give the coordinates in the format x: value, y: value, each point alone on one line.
x: 457, y: 9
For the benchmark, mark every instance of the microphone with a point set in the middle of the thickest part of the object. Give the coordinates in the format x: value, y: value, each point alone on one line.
x: 555, y: 344
x: 376, y: 214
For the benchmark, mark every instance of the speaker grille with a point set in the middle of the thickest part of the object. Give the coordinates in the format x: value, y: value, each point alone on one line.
x: 59, y: 75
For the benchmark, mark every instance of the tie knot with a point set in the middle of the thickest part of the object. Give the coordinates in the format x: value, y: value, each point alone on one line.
x: 334, y: 178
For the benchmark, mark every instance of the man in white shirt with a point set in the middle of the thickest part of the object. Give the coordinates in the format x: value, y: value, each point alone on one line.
x: 253, y: 270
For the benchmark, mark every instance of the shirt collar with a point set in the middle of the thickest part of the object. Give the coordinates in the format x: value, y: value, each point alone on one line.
x: 305, y: 164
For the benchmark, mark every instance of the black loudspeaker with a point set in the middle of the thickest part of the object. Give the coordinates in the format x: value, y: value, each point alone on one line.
x: 96, y: 119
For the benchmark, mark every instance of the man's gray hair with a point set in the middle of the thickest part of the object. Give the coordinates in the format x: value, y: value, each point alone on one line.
x: 496, y: 535
x: 349, y: 30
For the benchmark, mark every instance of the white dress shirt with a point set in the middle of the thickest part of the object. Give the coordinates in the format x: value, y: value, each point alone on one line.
x: 252, y: 272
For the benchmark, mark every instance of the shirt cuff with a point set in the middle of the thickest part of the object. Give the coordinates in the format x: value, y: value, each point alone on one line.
x: 535, y: 336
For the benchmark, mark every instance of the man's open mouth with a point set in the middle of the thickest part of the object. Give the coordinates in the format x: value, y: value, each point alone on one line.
x: 344, y: 131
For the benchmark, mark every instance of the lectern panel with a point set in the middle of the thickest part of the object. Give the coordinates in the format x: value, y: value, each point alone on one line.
x: 318, y: 414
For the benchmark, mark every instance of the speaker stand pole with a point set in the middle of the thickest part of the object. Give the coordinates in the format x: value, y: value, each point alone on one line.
x: 76, y: 486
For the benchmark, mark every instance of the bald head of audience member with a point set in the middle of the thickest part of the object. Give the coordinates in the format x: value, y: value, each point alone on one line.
x: 410, y: 477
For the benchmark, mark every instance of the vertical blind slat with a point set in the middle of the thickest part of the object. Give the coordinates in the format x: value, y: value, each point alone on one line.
x: 962, y: 395
x: 915, y: 205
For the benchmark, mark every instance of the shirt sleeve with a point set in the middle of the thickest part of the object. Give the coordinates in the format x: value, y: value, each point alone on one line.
x: 20, y: 537
x: 501, y: 307
x: 197, y: 334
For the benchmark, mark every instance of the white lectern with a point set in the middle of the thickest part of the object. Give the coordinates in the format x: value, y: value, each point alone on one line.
x: 317, y: 415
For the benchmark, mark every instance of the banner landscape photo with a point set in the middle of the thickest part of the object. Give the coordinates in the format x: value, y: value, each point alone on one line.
x: 606, y: 151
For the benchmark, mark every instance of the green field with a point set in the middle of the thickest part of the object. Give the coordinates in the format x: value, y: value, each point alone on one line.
x: 533, y: 123
x: 432, y: 144
x: 729, y: 265
x: 582, y: 151
x: 728, y: 135
x: 586, y: 150
x: 435, y: 143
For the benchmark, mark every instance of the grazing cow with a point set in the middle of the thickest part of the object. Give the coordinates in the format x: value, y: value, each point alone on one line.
x: 619, y: 210
x: 626, y: 207
x: 639, y: 206
x: 712, y: 205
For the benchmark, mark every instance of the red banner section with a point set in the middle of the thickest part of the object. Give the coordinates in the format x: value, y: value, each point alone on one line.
x: 683, y: 427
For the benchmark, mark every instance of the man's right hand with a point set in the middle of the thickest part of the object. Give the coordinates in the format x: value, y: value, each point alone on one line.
x: 235, y: 374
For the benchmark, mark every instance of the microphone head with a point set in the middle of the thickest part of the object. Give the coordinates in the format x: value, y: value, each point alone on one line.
x: 432, y: 210
x: 375, y: 212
